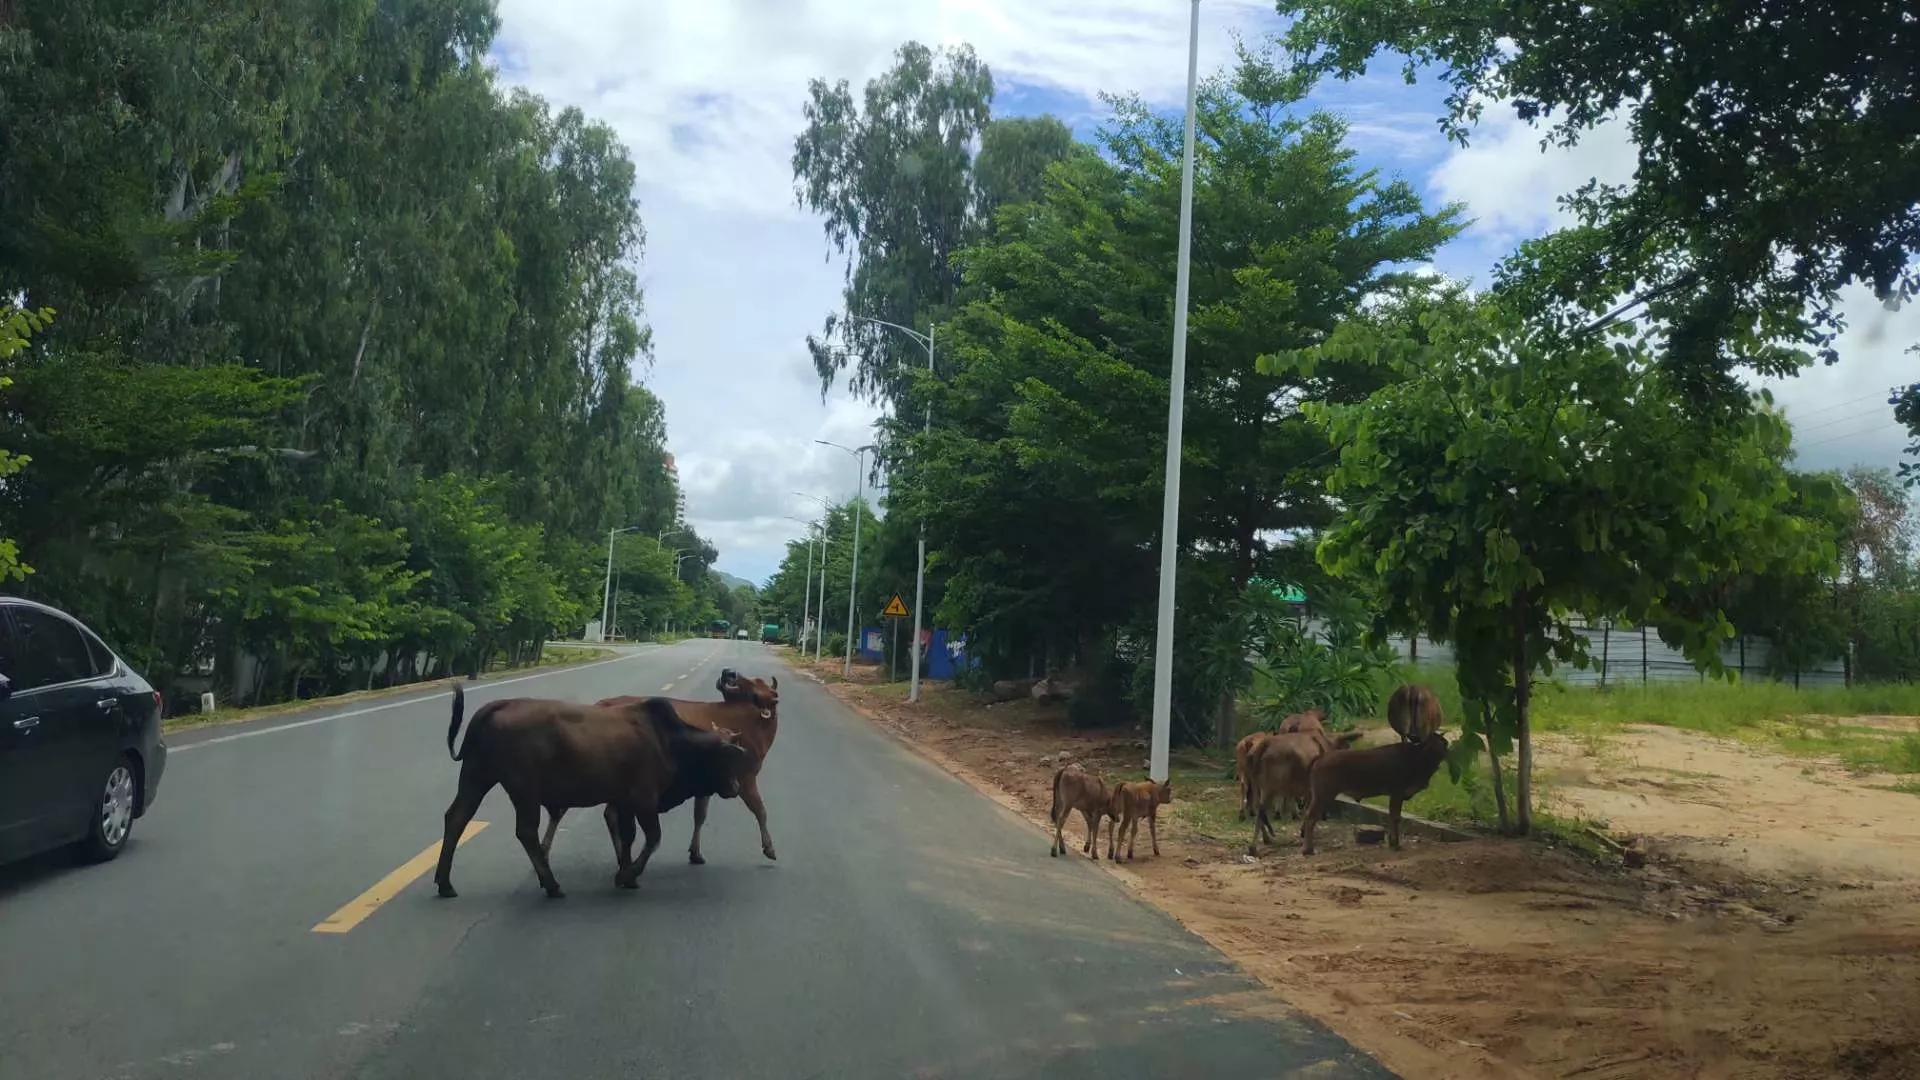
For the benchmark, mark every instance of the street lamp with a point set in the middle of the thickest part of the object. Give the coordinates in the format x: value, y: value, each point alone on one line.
x: 920, y: 562
x: 820, y: 620
x: 853, y: 578
x: 806, y: 603
x: 1176, y: 391
x: 606, y: 596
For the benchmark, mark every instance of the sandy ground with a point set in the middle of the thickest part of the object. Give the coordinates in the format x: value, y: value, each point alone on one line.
x: 1775, y: 935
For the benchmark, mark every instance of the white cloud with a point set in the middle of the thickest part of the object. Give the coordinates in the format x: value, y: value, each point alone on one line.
x: 1512, y: 185
x: 1840, y: 414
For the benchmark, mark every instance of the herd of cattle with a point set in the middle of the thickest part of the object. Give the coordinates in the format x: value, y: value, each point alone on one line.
x: 639, y: 757
x: 1300, y: 765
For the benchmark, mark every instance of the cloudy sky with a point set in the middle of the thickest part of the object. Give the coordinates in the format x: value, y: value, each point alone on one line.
x: 708, y: 97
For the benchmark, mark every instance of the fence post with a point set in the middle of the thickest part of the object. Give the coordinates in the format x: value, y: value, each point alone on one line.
x: 1643, y: 656
x: 1743, y: 658
x: 1606, y: 640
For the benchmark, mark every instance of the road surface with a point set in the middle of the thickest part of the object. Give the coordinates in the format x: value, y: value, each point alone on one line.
x: 909, y: 928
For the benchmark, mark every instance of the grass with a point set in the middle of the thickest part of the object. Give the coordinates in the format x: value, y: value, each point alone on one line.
x: 1908, y: 787
x: 1807, y: 723
x: 551, y: 656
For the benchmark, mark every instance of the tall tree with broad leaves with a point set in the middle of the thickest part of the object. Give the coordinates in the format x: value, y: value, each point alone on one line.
x: 1505, y: 484
x: 1778, y: 155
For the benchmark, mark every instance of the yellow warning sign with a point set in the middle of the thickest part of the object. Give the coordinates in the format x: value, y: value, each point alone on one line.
x: 895, y: 609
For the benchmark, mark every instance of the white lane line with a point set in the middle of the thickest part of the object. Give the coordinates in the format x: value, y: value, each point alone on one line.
x: 389, y: 705
x: 669, y: 686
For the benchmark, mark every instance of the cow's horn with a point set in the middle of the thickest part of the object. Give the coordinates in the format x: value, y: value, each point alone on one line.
x: 775, y: 683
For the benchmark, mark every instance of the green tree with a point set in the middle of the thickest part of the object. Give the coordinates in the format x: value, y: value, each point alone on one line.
x: 1042, y: 479
x: 1506, y: 484
x: 1756, y: 197
x: 16, y: 326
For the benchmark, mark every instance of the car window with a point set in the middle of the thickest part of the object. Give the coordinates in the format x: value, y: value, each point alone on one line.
x: 50, y: 650
x: 9, y: 665
x: 97, y: 650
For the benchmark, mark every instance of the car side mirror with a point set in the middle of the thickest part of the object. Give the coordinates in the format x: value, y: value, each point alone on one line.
x: 6, y: 688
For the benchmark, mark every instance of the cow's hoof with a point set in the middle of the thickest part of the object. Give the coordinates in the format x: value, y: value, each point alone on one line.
x: 696, y: 858
x: 629, y: 883
x: 555, y: 893
x: 1052, y: 851
x: 446, y: 889
x: 768, y: 852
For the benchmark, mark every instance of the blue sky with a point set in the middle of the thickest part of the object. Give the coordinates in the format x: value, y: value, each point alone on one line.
x: 708, y: 98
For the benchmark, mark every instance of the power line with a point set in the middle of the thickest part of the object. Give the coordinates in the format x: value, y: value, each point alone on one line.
x: 1852, y: 434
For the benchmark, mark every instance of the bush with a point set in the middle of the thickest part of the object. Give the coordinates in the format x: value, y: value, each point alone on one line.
x: 836, y: 645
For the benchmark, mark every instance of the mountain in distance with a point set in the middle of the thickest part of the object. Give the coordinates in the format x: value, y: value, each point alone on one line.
x: 732, y: 582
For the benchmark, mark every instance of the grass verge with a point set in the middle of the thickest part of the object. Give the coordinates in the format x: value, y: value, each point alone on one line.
x: 553, y: 656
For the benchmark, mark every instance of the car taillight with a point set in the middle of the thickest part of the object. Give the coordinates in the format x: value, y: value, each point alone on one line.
x: 159, y: 704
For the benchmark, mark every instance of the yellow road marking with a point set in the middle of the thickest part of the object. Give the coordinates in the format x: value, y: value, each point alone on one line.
x: 357, y: 909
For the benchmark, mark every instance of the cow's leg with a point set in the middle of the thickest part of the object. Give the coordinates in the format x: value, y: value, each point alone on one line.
x: 1316, y: 810
x: 1393, y: 823
x: 526, y: 828
x: 1153, y: 830
x: 1093, y: 833
x: 629, y: 876
x: 554, y: 814
x: 750, y: 794
x: 699, y: 819
x: 1133, y: 831
x: 1113, y: 834
x: 459, y: 812
x: 619, y: 833
x: 1059, y: 821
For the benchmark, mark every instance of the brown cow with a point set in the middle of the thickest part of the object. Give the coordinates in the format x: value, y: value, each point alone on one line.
x: 1074, y: 788
x: 1280, y: 771
x: 1397, y: 770
x: 639, y: 759
x: 1128, y: 804
x: 1311, y: 720
x: 1414, y: 712
x: 1244, y: 753
x: 750, y: 708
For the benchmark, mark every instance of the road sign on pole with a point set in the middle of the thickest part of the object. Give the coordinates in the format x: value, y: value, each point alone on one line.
x: 895, y: 609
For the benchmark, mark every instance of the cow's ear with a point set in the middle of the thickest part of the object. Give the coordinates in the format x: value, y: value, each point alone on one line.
x: 775, y: 683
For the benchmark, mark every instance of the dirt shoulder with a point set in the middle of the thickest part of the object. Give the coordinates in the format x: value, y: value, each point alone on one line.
x: 1496, y: 957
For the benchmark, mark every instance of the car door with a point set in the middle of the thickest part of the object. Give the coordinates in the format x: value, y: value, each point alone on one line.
x: 67, y: 721
x: 20, y: 790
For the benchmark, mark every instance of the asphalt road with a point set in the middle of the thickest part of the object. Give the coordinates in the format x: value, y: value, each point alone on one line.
x: 910, y: 927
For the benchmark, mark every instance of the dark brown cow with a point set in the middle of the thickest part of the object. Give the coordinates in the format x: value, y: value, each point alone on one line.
x: 639, y: 759
x: 1397, y: 770
x: 1414, y: 712
x: 750, y: 708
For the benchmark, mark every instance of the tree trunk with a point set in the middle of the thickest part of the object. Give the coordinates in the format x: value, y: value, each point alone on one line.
x: 1225, y: 721
x: 1523, y: 707
x: 1499, y: 782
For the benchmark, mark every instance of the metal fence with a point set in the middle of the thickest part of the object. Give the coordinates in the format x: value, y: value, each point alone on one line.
x: 1635, y: 654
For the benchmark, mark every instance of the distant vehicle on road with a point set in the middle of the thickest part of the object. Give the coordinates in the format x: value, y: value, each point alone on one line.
x: 741, y: 633
x: 80, y: 747
x: 770, y: 632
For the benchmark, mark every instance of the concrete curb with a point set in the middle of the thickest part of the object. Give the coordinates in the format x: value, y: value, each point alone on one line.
x: 1348, y: 810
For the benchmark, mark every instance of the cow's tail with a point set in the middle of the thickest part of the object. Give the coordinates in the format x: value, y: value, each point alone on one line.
x: 459, y: 711
x: 1058, y: 774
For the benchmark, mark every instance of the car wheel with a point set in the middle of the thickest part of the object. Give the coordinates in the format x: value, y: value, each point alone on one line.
x: 113, y: 813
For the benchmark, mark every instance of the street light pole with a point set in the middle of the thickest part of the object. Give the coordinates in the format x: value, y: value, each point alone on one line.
x: 820, y: 620
x: 920, y: 560
x: 606, y: 596
x: 1176, y: 392
x: 853, y: 578
x: 806, y: 603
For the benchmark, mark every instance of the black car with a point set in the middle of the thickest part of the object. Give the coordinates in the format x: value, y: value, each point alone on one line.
x: 80, y: 747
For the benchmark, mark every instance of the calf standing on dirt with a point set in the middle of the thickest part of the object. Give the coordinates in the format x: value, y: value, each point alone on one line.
x: 1128, y: 804
x: 1074, y: 788
x: 1397, y: 770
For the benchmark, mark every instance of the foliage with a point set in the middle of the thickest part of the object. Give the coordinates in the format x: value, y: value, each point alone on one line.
x: 1512, y: 482
x: 1755, y: 196
x: 15, y: 328
x: 1041, y: 478
x: 341, y: 387
x: 1337, y: 671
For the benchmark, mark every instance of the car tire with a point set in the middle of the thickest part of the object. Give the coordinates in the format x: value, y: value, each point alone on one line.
x: 114, y: 802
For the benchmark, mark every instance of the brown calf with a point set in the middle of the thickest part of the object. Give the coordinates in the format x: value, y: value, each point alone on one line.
x: 1244, y: 754
x: 1127, y: 805
x: 750, y: 708
x: 1075, y: 788
x: 1414, y: 712
x: 639, y: 759
x: 1279, y: 774
x: 1397, y: 770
